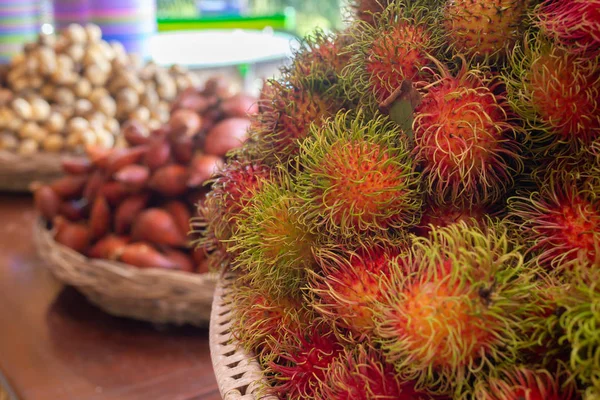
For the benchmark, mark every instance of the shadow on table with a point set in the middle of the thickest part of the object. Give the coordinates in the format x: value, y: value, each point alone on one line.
x: 111, y: 351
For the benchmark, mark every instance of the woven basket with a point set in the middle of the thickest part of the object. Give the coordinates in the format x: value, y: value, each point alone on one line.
x: 238, y: 374
x: 153, y: 295
x: 18, y: 172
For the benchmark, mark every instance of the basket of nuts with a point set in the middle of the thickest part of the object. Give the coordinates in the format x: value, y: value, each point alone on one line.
x: 117, y: 226
x: 68, y: 91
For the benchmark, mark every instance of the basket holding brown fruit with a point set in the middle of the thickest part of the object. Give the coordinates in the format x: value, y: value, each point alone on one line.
x: 132, y: 206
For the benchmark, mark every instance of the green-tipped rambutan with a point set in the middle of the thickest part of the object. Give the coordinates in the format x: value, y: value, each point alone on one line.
x: 347, y: 287
x: 561, y: 222
x: 557, y: 93
x: 522, y: 383
x: 262, y: 323
x: 580, y: 322
x: 463, y: 307
x: 232, y: 190
x: 287, y: 117
x: 301, y: 369
x: 320, y: 60
x: 272, y: 246
x: 572, y: 23
x: 485, y: 29
x: 394, y: 50
x: 465, y: 139
x: 358, y: 178
x: 363, y: 374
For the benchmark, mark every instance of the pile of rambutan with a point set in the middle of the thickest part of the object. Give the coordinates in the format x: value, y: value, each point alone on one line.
x: 416, y: 214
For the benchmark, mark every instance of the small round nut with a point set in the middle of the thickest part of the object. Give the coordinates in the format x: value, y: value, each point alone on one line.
x: 47, y: 91
x: 48, y: 61
x: 73, y: 141
x: 127, y: 99
x: 107, y: 106
x: 64, y: 96
x: 22, y: 108
x: 14, y: 124
x: 21, y: 84
x: 28, y: 147
x: 112, y: 125
x: 65, y: 63
x: 83, y: 107
x: 141, y: 114
x: 8, y: 141
x: 40, y: 109
x: 32, y: 64
x: 6, y: 115
x: 76, y: 33
x: 53, y: 143
x: 78, y: 124
x: 83, y: 88
x: 88, y: 137
x: 93, y: 32
x: 36, y: 82
x: 104, y: 138
x: 76, y: 52
x: 55, y: 122
x: 97, y: 95
x: 29, y: 130
x: 95, y: 75
x: 154, y: 124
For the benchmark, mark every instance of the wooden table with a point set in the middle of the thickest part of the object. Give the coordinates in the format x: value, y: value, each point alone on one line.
x: 54, y: 345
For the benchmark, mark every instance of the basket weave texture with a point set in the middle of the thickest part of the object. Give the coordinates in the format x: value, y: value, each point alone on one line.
x: 18, y: 172
x: 154, y: 295
x: 239, y: 376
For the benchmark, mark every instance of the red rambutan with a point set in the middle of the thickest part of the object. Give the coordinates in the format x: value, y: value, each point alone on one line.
x: 463, y: 307
x: 440, y: 216
x: 465, y: 140
x: 483, y: 28
x: 575, y: 24
x: 362, y: 374
x: 347, y: 286
x: 560, y: 222
x: 556, y: 93
x: 521, y: 383
x: 395, y: 49
x: 302, y: 367
x: 358, y: 178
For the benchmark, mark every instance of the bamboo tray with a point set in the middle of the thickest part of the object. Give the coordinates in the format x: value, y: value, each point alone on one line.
x: 154, y: 295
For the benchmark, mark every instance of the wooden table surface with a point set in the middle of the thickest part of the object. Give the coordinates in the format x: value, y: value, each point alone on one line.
x: 54, y: 345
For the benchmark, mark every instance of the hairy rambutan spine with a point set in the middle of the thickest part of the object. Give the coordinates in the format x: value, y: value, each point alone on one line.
x: 522, y: 383
x: 575, y: 24
x: 396, y: 48
x: 556, y: 93
x: 463, y: 307
x: 271, y: 244
x: 357, y: 178
x: 465, y: 139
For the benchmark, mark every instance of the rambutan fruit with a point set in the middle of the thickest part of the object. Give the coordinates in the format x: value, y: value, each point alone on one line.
x: 303, y: 365
x: 367, y: 10
x: 522, y: 383
x: 395, y: 49
x: 358, y: 178
x: 439, y: 216
x: 362, y: 374
x: 262, y: 322
x: 581, y: 324
x: 463, y: 306
x: 465, y: 139
x: 485, y: 29
x: 271, y: 244
x: 231, y: 192
x: 346, y: 288
x: 560, y: 222
x: 572, y: 23
x: 286, y: 119
x: 320, y: 60
x: 556, y: 93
